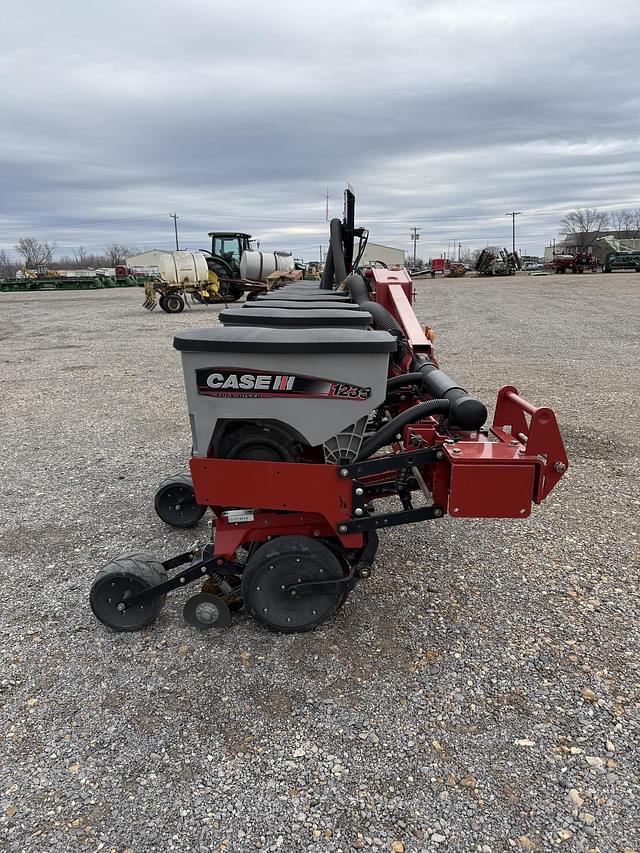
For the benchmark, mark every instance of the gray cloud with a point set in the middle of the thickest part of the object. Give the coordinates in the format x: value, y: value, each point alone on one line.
x: 441, y: 114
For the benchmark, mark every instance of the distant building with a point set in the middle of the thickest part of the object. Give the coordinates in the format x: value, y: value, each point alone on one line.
x: 386, y: 254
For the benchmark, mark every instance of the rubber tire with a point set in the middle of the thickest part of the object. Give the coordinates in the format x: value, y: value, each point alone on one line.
x: 181, y: 479
x: 291, y: 546
x: 247, y: 436
x: 145, y: 571
x: 228, y: 292
x: 172, y: 303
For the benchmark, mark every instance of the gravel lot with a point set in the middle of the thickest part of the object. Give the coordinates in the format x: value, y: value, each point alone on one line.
x: 479, y: 693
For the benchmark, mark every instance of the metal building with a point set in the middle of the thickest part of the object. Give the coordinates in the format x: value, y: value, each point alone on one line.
x: 387, y: 254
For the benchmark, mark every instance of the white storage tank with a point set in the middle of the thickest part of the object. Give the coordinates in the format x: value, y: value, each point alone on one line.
x: 181, y: 267
x: 258, y: 266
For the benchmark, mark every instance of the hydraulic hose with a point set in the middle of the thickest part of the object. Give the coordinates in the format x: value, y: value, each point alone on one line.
x: 357, y: 288
x: 403, y: 380
x: 327, y: 273
x: 465, y: 412
x: 337, y: 251
x: 387, y: 433
x: 384, y: 320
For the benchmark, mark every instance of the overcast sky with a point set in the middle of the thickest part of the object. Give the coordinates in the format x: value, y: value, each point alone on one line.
x: 444, y: 114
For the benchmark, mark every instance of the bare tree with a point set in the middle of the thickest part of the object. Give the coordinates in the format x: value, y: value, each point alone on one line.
x: 579, y: 223
x: 80, y: 256
x: 34, y: 251
x: 7, y: 266
x: 635, y: 219
x: 116, y: 254
x: 622, y: 220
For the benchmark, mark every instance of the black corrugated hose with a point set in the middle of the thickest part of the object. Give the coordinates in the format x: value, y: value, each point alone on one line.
x: 387, y: 433
x: 403, y: 380
x: 335, y: 265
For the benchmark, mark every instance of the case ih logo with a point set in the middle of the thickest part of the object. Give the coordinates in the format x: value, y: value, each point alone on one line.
x: 230, y: 382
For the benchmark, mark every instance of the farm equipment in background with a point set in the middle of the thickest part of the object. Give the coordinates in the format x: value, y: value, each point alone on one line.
x: 227, y: 249
x: 183, y: 277
x: 439, y: 265
x: 577, y: 262
x: 38, y: 273
x: 497, y: 262
x: 615, y: 261
x: 307, y: 408
x: 179, y: 275
x: 48, y: 279
x: 172, y: 297
x: 623, y: 252
x: 457, y: 269
x: 448, y: 268
x: 235, y: 262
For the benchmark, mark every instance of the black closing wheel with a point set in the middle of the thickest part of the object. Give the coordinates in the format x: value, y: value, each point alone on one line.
x: 118, y: 580
x: 206, y: 610
x: 175, y: 501
x: 172, y: 303
x: 285, y: 561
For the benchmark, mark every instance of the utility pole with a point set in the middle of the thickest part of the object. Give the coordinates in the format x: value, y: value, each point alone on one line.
x: 513, y: 215
x: 175, y: 218
x: 459, y: 251
x: 415, y: 236
x: 326, y: 210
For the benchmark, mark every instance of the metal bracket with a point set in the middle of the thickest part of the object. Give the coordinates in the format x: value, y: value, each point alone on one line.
x: 358, y: 494
x: 299, y: 590
x: 361, y: 569
x: 393, y: 462
x: 392, y: 519
x: 199, y: 569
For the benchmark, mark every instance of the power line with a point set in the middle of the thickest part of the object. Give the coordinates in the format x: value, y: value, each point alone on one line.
x: 257, y: 220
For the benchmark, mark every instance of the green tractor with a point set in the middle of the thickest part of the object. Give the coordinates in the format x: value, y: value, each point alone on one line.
x: 224, y: 260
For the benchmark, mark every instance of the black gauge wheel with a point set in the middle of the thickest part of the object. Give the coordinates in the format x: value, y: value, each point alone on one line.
x: 175, y: 501
x: 120, y: 579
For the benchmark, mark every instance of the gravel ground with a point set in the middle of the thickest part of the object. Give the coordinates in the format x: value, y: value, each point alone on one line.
x: 479, y: 693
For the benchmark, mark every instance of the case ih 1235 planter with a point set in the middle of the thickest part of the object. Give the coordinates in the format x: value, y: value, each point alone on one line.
x: 313, y: 411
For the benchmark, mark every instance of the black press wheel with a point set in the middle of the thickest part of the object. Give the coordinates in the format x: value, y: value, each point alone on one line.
x: 175, y: 501
x: 278, y: 564
x: 172, y: 303
x: 118, y: 580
